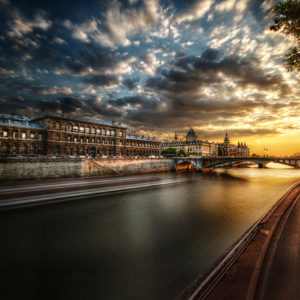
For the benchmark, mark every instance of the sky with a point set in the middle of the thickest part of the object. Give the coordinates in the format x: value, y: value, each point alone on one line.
x: 155, y: 66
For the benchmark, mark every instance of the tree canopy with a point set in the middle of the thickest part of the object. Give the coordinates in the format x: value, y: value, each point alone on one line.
x: 287, y: 21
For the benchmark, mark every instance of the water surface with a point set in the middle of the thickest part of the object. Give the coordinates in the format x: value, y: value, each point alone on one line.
x: 147, y: 244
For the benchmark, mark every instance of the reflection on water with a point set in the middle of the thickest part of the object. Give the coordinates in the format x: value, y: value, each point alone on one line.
x: 146, y: 244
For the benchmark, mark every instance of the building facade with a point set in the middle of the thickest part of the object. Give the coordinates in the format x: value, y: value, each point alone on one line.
x: 55, y: 135
x: 192, y: 146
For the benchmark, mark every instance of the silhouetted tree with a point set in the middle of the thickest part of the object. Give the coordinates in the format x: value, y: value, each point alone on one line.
x: 287, y: 21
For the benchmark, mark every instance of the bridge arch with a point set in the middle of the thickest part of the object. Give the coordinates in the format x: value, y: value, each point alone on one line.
x: 185, y: 165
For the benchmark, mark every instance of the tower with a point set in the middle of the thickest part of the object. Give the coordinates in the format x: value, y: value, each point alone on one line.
x: 227, y: 144
x: 175, y: 137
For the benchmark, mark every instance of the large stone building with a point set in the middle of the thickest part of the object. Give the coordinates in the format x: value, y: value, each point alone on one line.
x: 193, y: 146
x: 55, y: 135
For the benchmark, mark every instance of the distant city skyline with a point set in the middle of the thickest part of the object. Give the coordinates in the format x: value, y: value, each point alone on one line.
x: 156, y: 66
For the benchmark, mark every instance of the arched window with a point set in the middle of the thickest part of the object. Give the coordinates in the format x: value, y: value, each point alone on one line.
x: 57, y: 125
x: 15, y: 134
x: 113, y: 133
x: 88, y: 130
x: 57, y: 137
x: 107, y: 132
x: 69, y: 138
x: 70, y: 127
x: 32, y: 135
x: 24, y: 135
x: 24, y: 149
x: 57, y: 149
x: 76, y: 139
x: 81, y: 128
x: 98, y: 131
x: 76, y: 128
x: 15, y: 148
x: 32, y: 149
x: 121, y: 133
x: 93, y: 130
x: 81, y: 139
x: 5, y: 148
x: 103, y: 131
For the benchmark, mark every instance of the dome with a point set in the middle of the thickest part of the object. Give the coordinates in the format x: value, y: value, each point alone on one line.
x: 191, y: 135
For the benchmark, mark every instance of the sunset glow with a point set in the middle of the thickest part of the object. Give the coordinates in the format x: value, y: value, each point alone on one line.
x: 156, y: 66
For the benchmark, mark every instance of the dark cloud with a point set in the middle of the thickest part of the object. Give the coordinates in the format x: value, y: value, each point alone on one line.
x: 104, y: 81
x: 130, y: 84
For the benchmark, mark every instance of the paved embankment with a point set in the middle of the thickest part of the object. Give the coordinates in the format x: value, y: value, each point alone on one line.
x: 263, y: 264
x: 30, y: 193
x: 38, y: 168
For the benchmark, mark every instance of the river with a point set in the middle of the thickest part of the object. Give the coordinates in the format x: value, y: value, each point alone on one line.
x: 145, y: 244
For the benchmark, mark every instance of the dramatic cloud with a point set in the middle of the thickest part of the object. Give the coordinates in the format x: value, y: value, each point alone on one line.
x: 156, y: 66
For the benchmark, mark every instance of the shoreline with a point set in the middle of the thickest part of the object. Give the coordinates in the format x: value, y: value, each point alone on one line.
x: 235, y: 274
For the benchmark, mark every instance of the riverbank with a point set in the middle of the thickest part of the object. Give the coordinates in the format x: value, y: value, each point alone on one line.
x: 243, y: 271
x: 44, y: 168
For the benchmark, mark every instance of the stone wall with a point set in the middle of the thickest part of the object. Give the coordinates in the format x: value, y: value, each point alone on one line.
x: 13, y: 169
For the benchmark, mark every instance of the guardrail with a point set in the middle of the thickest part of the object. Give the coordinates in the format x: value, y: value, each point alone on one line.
x: 226, y: 261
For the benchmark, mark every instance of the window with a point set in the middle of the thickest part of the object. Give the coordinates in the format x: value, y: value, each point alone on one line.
x: 121, y: 143
x: 76, y: 139
x: 32, y: 148
x: 113, y: 133
x: 57, y: 137
x: 32, y: 135
x: 93, y: 130
x: 98, y: 131
x: 57, y: 149
x: 103, y: 131
x: 121, y: 133
x: 88, y: 130
x: 98, y: 141
x: 75, y: 128
x: 24, y: 149
x: 87, y: 140
x: 69, y: 138
x: 107, y: 132
x: 93, y: 140
x: 15, y: 148
x: 5, y: 133
x: 81, y: 128
x: 15, y: 134
x: 40, y: 136
x: 57, y: 125
x: 81, y: 139
x: 24, y: 135
x: 5, y: 148
x: 70, y: 127
x: 81, y: 151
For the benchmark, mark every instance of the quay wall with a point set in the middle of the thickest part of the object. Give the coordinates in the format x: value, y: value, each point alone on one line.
x: 38, y: 168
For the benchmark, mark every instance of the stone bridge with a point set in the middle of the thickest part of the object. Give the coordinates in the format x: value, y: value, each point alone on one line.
x: 206, y: 163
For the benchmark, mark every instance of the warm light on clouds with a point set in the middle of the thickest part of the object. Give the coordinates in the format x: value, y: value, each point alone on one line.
x: 156, y: 66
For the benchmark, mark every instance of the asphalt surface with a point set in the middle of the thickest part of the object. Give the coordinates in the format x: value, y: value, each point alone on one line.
x: 281, y: 270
